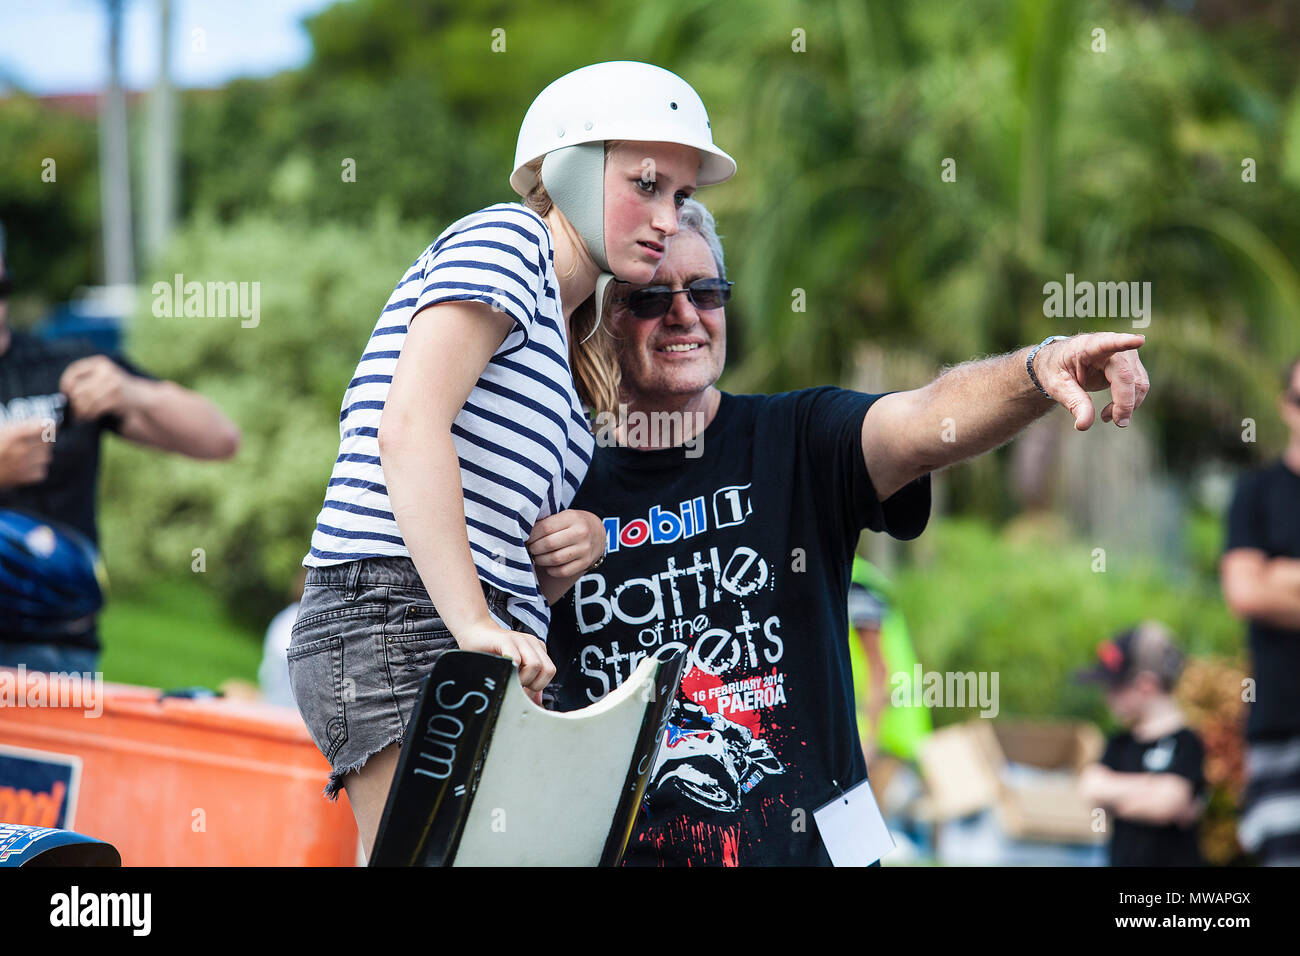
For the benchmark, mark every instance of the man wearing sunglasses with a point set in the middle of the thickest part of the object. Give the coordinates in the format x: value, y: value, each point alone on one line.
x: 1260, y: 576
x: 56, y: 399
x: 740, y: 557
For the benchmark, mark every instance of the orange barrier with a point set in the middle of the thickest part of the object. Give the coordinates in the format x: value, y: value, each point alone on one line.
x: 172, y: 782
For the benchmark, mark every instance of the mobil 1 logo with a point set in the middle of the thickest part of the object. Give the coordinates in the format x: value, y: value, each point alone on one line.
x: 731, y: 505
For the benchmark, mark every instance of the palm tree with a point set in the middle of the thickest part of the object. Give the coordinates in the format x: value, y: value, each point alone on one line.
x: 1122, y: 164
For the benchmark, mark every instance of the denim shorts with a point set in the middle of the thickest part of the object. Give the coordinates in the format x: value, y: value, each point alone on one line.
x: 366, y: 635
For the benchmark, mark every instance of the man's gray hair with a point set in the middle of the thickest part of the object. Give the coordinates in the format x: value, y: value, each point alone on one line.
x: 698, y: 219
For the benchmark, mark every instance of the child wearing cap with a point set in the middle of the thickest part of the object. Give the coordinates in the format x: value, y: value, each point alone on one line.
x: 1150, y: 779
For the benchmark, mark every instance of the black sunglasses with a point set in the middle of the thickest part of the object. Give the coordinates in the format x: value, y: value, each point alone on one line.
x: 1293, y: 398
x: 6, y: 284
x: 656, y: 300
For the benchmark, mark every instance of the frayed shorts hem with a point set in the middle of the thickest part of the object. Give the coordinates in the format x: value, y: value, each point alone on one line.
x: 366, y: 636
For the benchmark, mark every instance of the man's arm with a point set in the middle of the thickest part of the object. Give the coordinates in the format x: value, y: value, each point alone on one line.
x: 1142, y: 797
x: 1260, y: 588
x: 157, y: 414
x: 172, y: 418
x: 977, y: 406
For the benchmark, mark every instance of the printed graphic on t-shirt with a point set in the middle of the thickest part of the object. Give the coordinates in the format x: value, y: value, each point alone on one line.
x: 40, y: 407
x: 1157, y: 757
x: 707, y: 759
x: 711, y: 604
x: 738, y: 561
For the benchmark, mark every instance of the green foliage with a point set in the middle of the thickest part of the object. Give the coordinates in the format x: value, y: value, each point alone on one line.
x: 52, y: 226
x: 1204, y: 533
x: 1032, y: 609
x: 413, y: 92
x: 321, y: 291
x: 1123, y: 165
x: 405, y: 151
x: 180, y: 635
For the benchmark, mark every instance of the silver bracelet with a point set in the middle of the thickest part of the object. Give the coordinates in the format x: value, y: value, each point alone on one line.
x: 1029, y: 362
x: 601, y: 560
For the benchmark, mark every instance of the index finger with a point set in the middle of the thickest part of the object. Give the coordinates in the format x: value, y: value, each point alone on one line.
x: 1108, y: 343
x: 550, y: 524
x: 554, y: 541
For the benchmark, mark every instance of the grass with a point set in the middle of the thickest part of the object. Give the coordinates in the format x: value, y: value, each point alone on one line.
x: 177, y: 636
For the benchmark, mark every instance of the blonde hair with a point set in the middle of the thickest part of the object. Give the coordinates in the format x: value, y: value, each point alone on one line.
x: 593, y: 361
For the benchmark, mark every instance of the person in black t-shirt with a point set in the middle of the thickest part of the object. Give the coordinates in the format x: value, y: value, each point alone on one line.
x: 731, y: 523
x: 56, y: 399
x: 1150, y: 779
x: 1260, y: 576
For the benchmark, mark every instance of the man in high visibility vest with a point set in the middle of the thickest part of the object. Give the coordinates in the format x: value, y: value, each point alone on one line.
x: 881, y: 649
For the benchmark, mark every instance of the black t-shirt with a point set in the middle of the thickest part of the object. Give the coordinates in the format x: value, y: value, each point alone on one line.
x: 1146, y: 844
x: 1265, y: 515
x: 30, y: 370
x: 740, y: 558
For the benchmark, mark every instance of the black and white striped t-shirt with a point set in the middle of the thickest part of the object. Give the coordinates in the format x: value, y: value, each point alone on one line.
x: 523, y: 440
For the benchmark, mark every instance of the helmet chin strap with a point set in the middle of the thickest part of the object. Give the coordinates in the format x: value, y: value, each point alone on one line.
x: 574, y: 177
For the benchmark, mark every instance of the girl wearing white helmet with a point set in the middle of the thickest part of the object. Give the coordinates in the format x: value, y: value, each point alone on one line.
x: 471, y: 391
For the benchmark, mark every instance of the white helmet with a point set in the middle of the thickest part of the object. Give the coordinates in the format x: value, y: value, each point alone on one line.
x: 624, y: 100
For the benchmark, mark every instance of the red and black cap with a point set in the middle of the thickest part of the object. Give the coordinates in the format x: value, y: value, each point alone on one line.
x: 1145, y: 647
